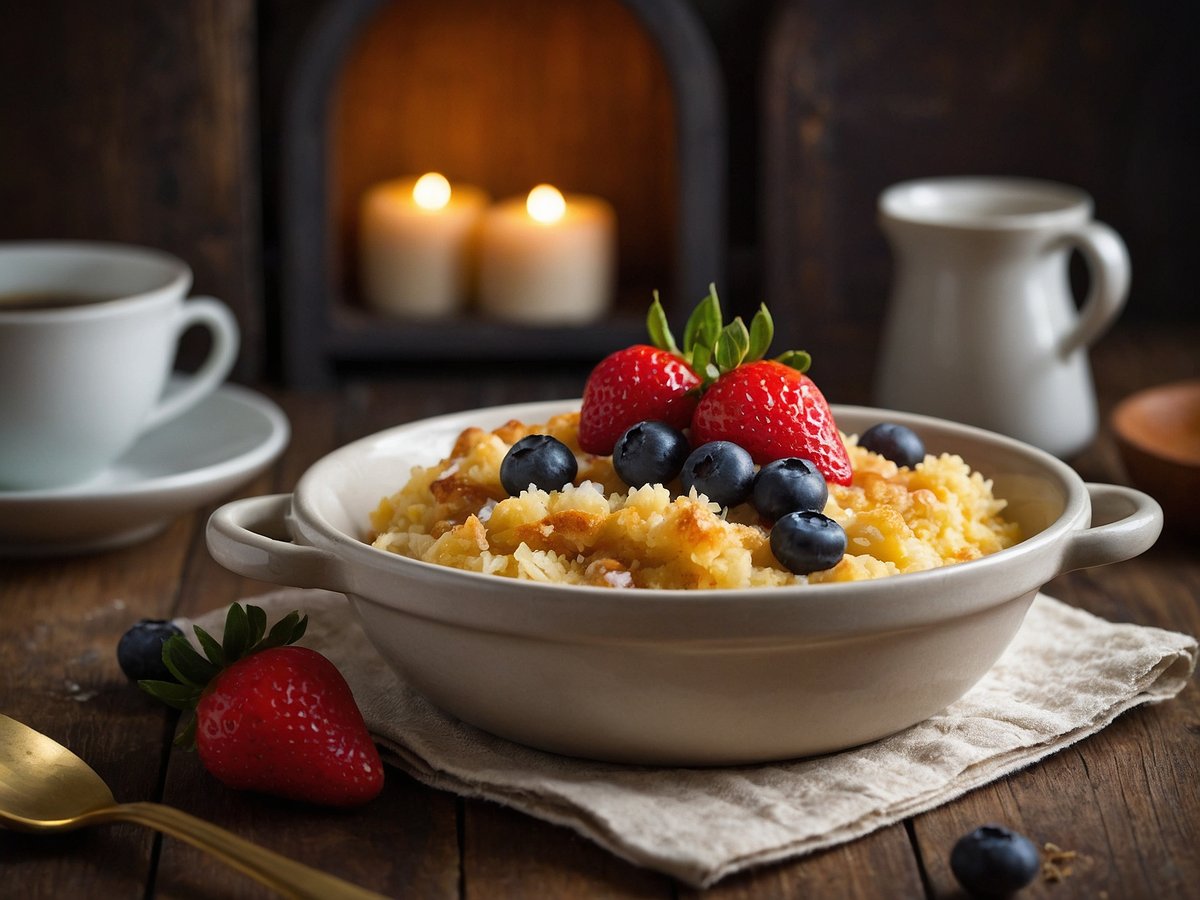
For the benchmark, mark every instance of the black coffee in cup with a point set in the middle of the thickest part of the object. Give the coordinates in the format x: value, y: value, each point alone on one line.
x: 23, y: 301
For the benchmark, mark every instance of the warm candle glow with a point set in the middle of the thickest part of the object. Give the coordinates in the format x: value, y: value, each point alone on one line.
x: 432, y: 191
x: 547, y: 258
x: 416, y: 244
x: 546, y: 204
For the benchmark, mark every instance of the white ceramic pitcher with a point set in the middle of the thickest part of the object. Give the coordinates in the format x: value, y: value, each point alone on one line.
x: 982, y: 327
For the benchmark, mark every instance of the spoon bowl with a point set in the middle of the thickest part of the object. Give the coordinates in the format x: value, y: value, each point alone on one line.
x: 45, y: 787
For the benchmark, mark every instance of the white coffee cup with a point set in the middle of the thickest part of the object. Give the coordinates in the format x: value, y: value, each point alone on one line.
x: 88, y: 338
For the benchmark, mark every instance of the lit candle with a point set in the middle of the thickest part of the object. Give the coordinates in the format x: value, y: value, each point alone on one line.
x: 547, y: 259
x: 417, y: 243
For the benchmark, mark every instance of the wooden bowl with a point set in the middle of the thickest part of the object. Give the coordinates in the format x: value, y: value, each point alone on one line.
x: 1158, y: 435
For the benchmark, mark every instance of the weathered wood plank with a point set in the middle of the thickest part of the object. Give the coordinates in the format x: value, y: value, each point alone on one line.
x: 880, y: 864
x: 860, y: 96
x: 1125, y: 802
x: 137, y: 125
x: 58, y: 674
x: 510, y: 855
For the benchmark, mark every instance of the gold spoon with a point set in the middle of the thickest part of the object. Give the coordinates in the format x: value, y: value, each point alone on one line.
x: 46, y: 787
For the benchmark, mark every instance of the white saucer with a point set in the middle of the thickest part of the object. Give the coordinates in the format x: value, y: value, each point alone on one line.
x: 223, y: 442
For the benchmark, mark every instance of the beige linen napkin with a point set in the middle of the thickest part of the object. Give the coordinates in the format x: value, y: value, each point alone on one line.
x: 1066, y: 676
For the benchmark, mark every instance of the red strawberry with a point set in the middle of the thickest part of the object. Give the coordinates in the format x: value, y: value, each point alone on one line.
x: 772, y: 411
x: 770, y: 408
x: 643, y: 382
x: 630, y: 386
x: 283, y: 722
x: 271, y: 718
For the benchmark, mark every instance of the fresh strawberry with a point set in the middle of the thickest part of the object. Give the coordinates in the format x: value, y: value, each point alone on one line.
x: 630, y: 386
x: 270, y: 717
x: 648, y: 382
x: 770, y: 408
x: 772, y: 411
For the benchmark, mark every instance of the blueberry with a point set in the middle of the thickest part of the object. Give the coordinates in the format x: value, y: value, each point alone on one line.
x: 721, y: 470
x: 807, y: 541
x: 993, y: 861
x: 538, y: 459
x: 788, y: 485
x: 895, y: 442
x: 139, y: 652
x: 650, y: 452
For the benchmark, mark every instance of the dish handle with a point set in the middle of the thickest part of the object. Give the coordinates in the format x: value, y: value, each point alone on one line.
x: 250, y: 537
x: 1130, y: 523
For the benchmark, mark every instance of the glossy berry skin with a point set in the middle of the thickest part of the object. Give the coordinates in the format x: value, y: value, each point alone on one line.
x: 898, y: 443
x: 283, y: 721
x: 788, y: 485
x: 772, y: 411
x: 993, y: 861
x: 538, y: 459
x: 139, y: 652
x: 650, y: 453
x: 806, y: 542
x: 630, y: 386
x: 721, y: 470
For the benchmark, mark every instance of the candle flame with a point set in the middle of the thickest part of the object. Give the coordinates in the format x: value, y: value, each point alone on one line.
x: 546, y: 204
x: 432, y: 191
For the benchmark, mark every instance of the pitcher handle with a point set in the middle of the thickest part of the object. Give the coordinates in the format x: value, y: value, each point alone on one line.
x: 1108, y: 271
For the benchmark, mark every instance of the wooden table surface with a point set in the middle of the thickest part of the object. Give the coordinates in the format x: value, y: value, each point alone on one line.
x: 1127, y: 800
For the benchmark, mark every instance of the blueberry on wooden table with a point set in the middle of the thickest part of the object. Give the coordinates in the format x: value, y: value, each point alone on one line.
x: 993, y: 861
x: 900, y: 444
x: 788, y: 485
x: 650, y: 452
x: 538, y: 459
x: 721, y: 470
x: 139, y: 652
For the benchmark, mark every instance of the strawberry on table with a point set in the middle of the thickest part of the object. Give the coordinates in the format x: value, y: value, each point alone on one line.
x: 271, y: 717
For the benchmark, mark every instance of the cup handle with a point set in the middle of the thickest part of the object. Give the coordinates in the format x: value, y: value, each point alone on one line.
x: 250, y: 537
x: 216, y: 317
x: 1130, y: 523
x: 1108, y: 270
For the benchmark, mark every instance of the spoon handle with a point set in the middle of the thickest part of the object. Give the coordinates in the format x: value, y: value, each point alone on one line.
x: 290, y: 878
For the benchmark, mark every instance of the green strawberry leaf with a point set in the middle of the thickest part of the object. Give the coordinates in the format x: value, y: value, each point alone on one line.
x: 762, y: 331
x: 287, y: 630
x: 796, y: 359
x: 660, y: 330
x: 701, y: 362
x: 732, y: 344
x: 257, y: 619
x: 212, y: 647
x: 703, y: 326
x: 712, y: 348
x: 236, y: 639
x: 186, y: 664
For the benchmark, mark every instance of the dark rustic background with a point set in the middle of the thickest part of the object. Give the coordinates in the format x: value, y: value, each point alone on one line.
x: 159, y: 123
